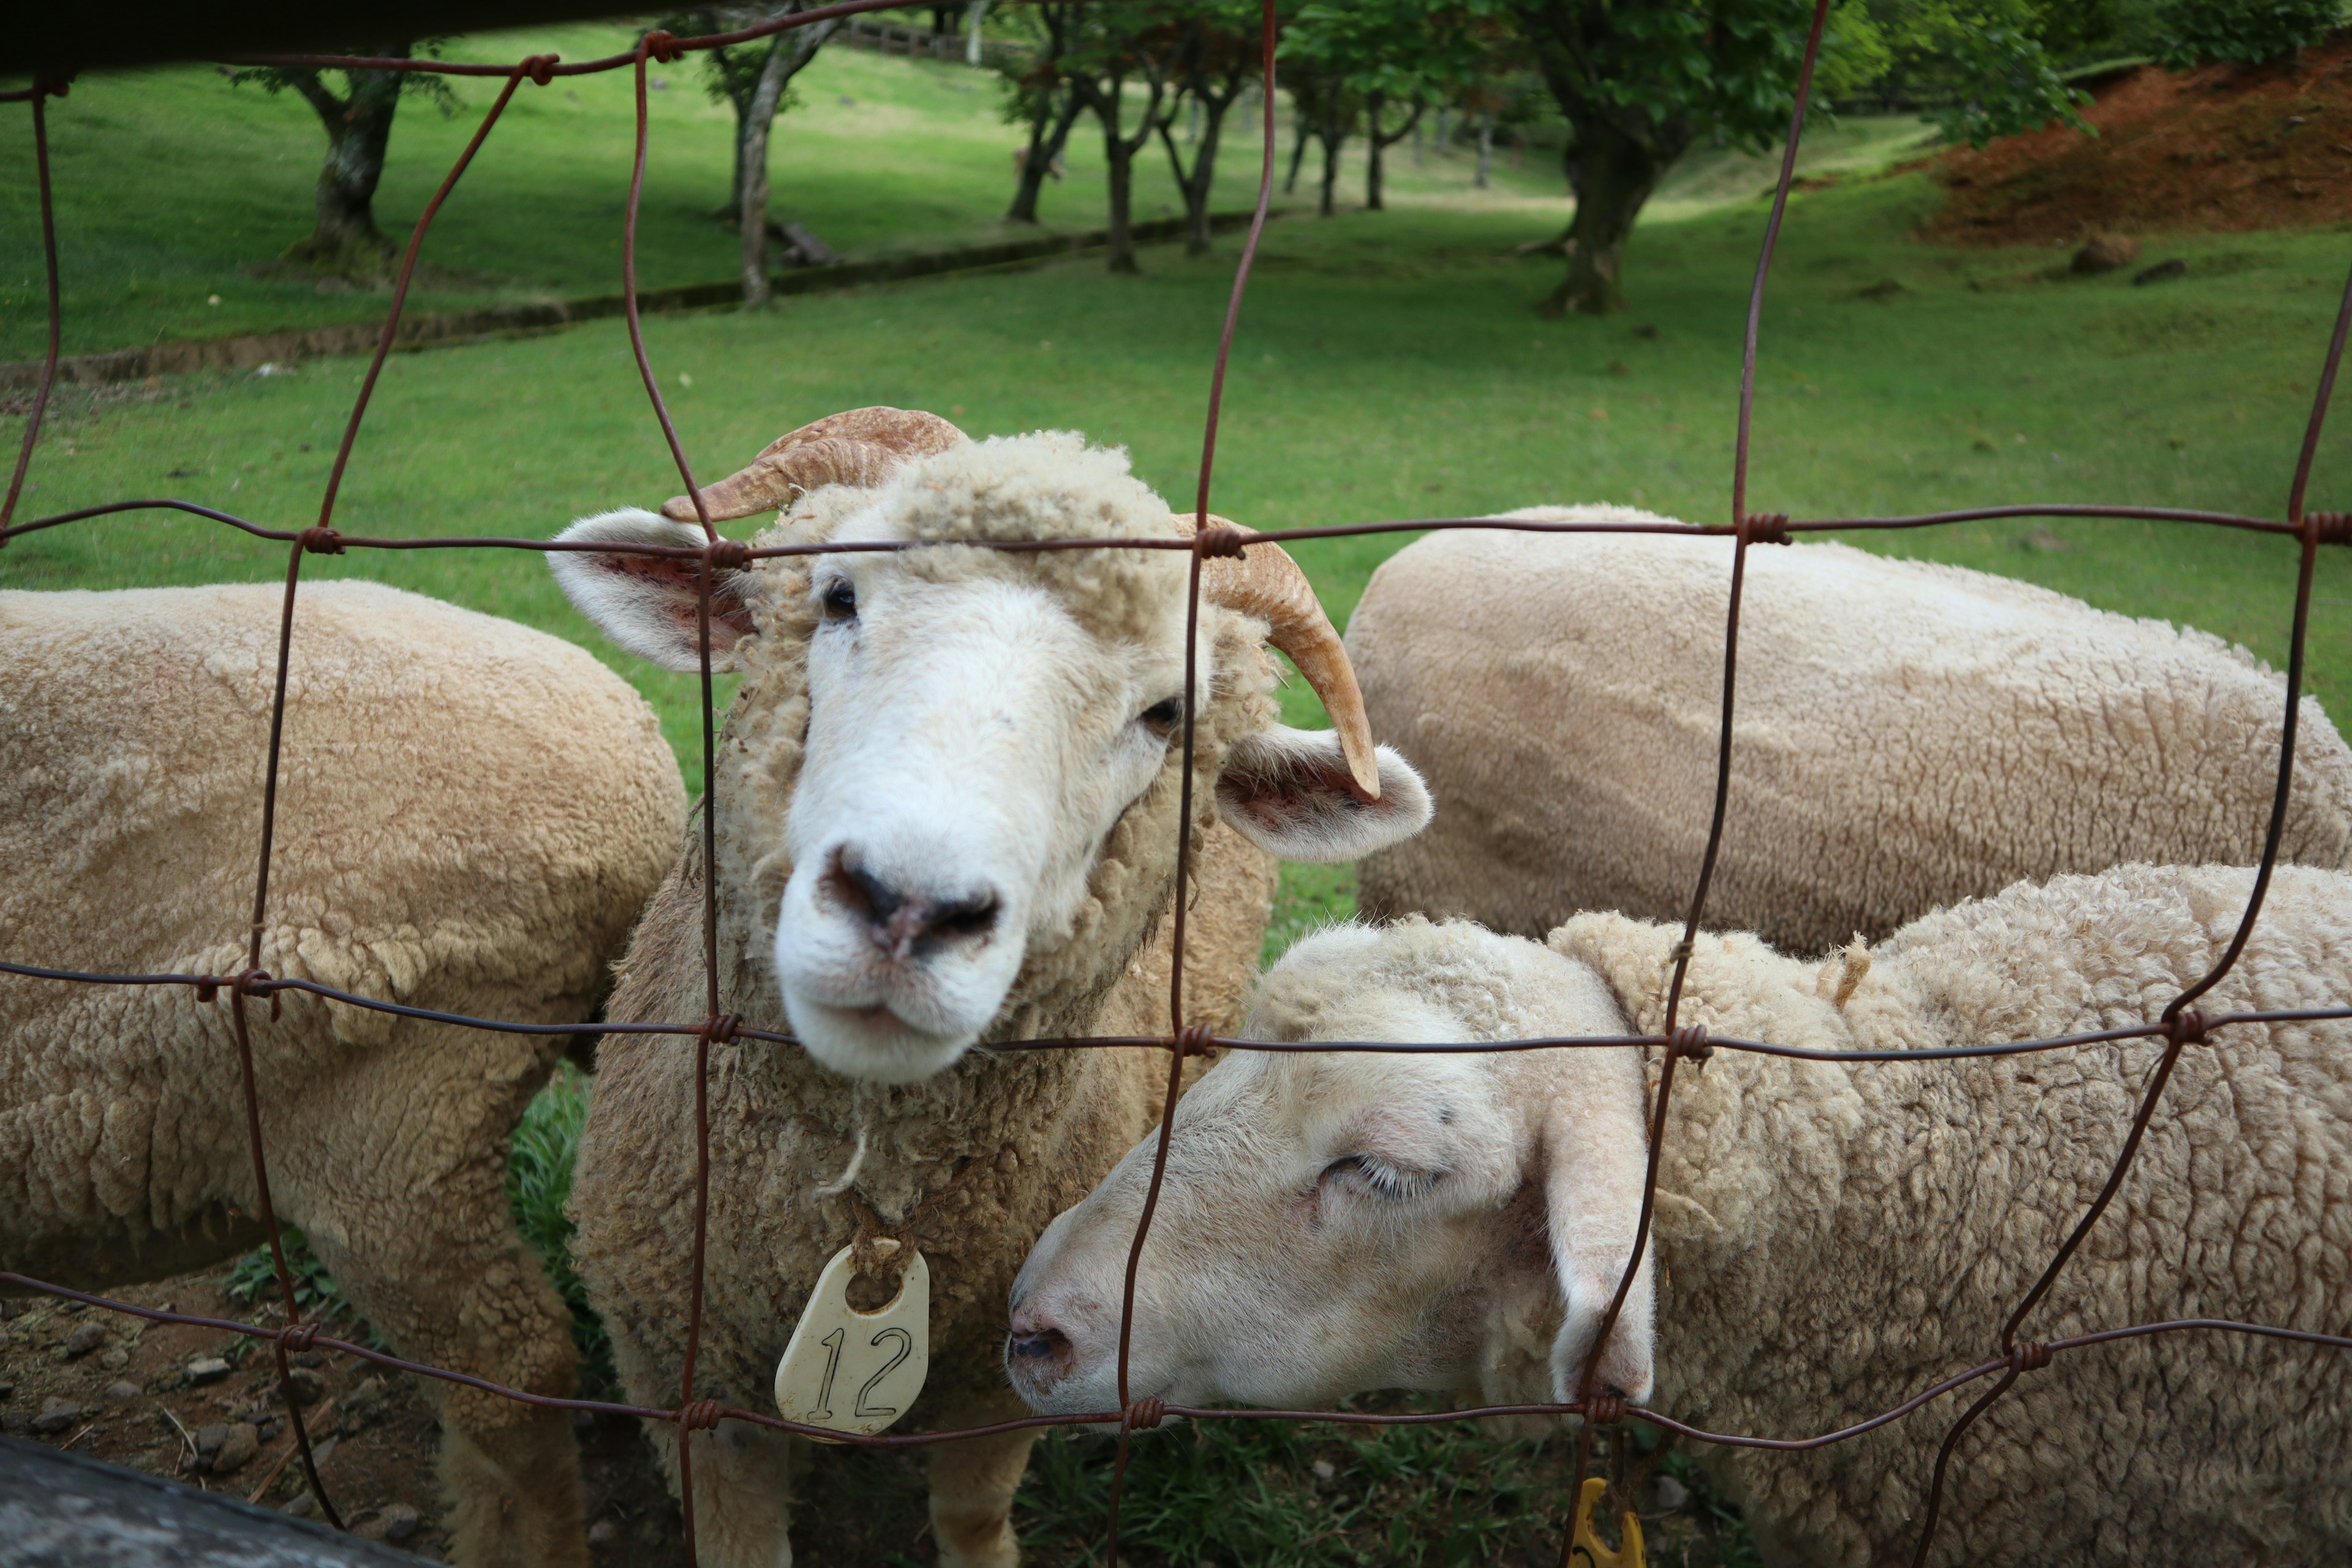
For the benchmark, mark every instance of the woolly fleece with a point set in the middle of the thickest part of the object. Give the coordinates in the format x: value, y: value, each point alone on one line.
x: 1044, y: 1125
x: 1907, y: 734
x: 1836, y: 1239
x: 469, y: 814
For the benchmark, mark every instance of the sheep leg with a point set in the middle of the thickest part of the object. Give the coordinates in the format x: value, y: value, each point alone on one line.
x: 743, y: 1478
x: 410, y: 1215
x: 973, y: 1483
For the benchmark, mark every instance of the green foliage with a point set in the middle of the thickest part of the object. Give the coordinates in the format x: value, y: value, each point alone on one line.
x: 1411, y: 51
x: 1988, y: 67
x: 253, y: 1279
x: 2250, y: 32
x: 539, y: 1185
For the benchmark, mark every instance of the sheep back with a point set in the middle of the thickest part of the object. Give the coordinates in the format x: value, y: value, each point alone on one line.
x: 1835, y: 1239
x: 1907, y: 734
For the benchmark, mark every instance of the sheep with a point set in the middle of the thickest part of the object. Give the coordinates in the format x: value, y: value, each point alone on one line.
x: 945, y: 812
x: 1908, y: 735
x: 470, y: 814
x: 1829, y: 1240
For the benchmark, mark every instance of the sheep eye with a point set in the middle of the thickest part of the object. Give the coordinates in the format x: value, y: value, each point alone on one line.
x: 840, y: 601
x: 1161, y: 717
x: 1379, y: 1178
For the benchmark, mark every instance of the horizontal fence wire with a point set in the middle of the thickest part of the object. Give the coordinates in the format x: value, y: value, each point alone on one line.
x: 2179, y: 1026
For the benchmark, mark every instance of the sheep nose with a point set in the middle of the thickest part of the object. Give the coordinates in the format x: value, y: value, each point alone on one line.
x: 1038, y: 1353
x: 903, y: 924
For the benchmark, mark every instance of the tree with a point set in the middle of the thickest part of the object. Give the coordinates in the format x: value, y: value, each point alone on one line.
x: 1217, y: 55
x: 752, y: 76
x: 358, y: 121
x: 1038, y: 95
x: 1365, y: 58
x: 1327, y: 108
x: 1111, y: 44
x: 1639, y: 80
x: 2250, y: 32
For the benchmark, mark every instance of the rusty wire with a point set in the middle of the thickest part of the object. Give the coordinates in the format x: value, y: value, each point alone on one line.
x: 2179, y: 1026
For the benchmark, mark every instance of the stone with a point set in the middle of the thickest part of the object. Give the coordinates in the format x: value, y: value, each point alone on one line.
x: 2105, y: 253
x: 85, y: 1338
x: 311, y: 1359
x: 604, y: 1533
x: 12, y: 1421
x: 55, y: 1417
x: 369, y: 1391
x: 7, y: 1389
x: 309, y: 1386
x: 121, y: 1391
x: 1672, y: 1494
x: 115, y: 1360
x: 206, y: 1369
x: 399, y: 1523
x: 2163, y: 272
x: 303, y: 1506
x: 244, y: 1441
x: 210, y: 1440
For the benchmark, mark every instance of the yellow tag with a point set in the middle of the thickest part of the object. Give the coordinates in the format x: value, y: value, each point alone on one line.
x: 1585, y: 1547
x: 856, y: 1372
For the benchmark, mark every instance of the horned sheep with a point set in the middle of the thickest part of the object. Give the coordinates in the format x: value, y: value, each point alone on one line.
x: 1908, y: 735
x: 1830, y: 1239
x: 469, y: 816
x: 946, y: 813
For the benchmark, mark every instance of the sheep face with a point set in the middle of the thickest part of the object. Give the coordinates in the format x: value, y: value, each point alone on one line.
x: 971, y: 745
x: 1330, y: 1224
x: 978, y: 724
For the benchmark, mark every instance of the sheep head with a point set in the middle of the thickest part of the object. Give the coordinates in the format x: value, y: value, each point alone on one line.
x: 981, y: 722
x: 1331, y: 1224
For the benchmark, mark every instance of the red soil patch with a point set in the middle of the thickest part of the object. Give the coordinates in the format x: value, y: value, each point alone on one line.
x: 2221, y: 148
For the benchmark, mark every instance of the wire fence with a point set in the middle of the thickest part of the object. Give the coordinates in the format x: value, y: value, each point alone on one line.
x: 2179, y: 1025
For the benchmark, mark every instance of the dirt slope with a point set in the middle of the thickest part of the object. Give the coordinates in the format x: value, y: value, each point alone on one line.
x: 2221, y: 148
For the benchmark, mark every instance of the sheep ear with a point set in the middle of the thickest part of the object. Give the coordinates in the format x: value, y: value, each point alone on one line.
x: 647, y: 603
x: 1291, y: 793
x: 1596, y: 1151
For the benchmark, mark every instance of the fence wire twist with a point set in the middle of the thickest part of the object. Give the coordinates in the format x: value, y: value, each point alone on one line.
x: 2180, y: 1026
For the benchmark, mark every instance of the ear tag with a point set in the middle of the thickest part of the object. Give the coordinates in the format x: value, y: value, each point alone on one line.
x: 1586, y: 1550
x: 856, y: 1372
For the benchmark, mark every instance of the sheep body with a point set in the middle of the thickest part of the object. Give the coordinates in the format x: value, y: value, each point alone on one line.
x: 1830, y: 1239
x: 1906, y: 735
x: 469, y: 812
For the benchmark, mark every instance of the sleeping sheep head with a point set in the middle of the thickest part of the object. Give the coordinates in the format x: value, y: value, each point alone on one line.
x: 1331, y: 1224
x: 979, y: 722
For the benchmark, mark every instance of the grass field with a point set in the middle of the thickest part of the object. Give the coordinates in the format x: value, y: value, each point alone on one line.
x: 1388, y: 365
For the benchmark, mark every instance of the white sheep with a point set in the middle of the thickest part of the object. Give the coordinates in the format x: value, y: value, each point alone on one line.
x: 946, y: 810
x: 1908, y: 735
x: 1830, y: 1239
x: 469, y: 815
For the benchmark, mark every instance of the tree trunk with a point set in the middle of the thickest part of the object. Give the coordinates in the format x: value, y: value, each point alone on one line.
x: 754, y: 120
x: 1331, y: 136
x: 1299, y: 124
x: 1049, y: 134
x: 1197, y: 183
x: 751, y: 172
x: 1120, y: 157
x: 344, y: 238
x: 1612, y: 173
x: 1485, y: 148
x: 972, y: 16
x: 1374, y: 101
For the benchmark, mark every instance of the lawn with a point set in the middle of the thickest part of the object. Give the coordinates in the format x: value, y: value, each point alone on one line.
x: 1388, y: 365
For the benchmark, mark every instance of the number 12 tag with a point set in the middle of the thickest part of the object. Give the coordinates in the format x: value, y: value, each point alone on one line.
x: 856, y: 1372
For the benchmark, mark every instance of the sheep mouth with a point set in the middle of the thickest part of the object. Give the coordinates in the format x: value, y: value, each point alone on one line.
x: 872, y: 1040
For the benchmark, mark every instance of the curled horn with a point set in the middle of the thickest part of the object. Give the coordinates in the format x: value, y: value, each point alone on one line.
x: 859, y: 447
x: 1266, y: 581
